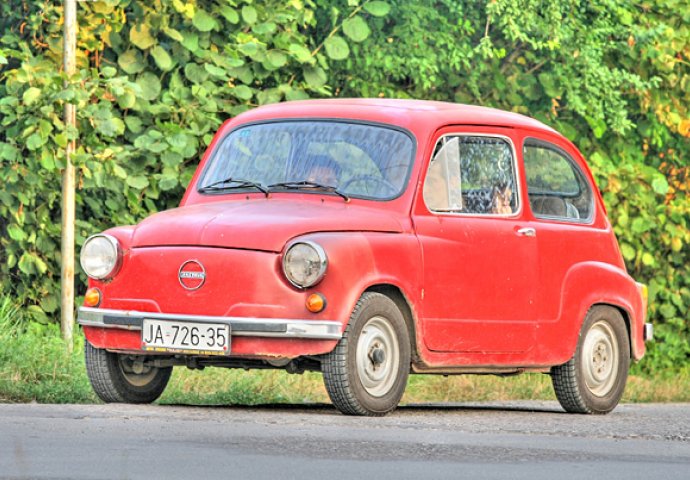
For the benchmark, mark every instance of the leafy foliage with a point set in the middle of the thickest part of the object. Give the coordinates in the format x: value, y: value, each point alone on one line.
x: 155, y: 81
x: 653, y: 227
x: 156, y: 78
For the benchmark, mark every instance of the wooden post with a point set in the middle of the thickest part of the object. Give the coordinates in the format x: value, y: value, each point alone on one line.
x: 68, y: 205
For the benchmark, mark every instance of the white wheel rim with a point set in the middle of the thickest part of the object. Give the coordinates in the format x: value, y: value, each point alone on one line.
x: 600, y: 357
x: 377, y: 357
x: 136, y: 379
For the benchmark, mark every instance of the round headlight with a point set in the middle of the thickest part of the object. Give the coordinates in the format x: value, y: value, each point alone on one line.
x: 100, y: 256
x: 304, y: 264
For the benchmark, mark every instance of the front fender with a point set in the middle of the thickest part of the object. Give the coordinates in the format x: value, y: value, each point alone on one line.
x: 359, y: 260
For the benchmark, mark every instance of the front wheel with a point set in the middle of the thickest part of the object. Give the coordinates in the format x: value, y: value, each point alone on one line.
x: 594, y: 379
x: 121, y: 378
x: 367, y: 372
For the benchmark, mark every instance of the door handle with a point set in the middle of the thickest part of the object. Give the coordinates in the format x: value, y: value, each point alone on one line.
x: 527, y: 232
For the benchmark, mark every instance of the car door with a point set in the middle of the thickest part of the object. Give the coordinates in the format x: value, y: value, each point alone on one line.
x: 479, y: 254
x: 562, y: 202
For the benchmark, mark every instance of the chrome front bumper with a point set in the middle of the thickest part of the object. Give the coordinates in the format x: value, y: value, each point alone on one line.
x: 648, y: 332
x: 239, y: 326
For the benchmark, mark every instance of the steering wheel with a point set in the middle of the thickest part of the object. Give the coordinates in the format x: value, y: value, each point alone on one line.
x: 380, y: 184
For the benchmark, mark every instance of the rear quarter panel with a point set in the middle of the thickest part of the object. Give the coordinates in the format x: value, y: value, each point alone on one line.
x: 581, y: 265
x: 588, y: 284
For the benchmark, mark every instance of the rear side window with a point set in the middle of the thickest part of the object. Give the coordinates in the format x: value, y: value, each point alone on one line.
x: 556, y: 187
x: 471, y: 175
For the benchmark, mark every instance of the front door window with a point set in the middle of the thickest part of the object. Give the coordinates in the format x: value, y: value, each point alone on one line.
x: 471, y: 175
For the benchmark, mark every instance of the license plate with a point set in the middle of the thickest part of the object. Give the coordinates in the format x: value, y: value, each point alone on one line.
x: 185, y: 337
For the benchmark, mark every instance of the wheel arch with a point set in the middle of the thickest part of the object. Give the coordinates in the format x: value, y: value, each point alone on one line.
x: 594, y: 283
x: 626, y: 319
x: 402, y: 302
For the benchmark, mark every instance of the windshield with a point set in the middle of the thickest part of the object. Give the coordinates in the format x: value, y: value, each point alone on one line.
x: 357, y: 160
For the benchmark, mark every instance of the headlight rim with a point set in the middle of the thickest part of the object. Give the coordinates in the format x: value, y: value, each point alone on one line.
x: 118, y: 256
x: 323, y: 263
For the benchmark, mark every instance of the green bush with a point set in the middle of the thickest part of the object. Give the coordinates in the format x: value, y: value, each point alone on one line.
x: 653, y: 228
x: 155, y: 81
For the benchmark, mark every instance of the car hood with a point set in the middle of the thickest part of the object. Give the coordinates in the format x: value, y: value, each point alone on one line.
x: 257, y: 224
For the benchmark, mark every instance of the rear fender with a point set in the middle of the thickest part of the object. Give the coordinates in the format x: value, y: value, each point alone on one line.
x: 595, y: 283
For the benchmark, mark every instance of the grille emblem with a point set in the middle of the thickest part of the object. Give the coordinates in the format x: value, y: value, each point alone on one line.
x: 191, y: 275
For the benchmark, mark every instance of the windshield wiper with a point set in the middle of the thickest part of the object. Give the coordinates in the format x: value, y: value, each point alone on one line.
x: 231, y: 183
x: 307, y: 185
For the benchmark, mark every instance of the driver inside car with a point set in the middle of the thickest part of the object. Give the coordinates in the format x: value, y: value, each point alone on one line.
x: 324, y: 170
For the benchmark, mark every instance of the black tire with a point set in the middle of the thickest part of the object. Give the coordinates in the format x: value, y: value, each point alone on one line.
x: 114, y: 381
x: 366, y: 373
x: 593, y: 380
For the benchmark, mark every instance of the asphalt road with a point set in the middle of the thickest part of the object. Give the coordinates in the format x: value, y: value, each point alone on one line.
x: 517, y: 440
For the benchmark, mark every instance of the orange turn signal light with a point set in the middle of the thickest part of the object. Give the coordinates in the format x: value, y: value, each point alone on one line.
x: 92, y: 298
x: 316, y: 302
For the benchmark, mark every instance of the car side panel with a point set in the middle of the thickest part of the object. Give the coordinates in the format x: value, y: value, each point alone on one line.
x: 585, y: 285
x: 357, y: 262
x: 575, y: 278
x: 580, y: 265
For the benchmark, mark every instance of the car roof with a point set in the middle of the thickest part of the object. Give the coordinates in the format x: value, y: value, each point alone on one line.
x: 405, y: 113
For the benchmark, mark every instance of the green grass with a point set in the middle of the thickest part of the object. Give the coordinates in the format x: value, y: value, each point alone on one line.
x: 35, y: 366
x: 227, y: 387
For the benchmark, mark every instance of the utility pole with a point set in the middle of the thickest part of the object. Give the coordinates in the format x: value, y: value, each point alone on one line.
x: 68, y: 205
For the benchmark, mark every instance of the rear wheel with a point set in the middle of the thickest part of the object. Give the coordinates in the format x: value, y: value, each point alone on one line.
x: 593, y: 380
x: 121, y: 378
x: 367, y: 372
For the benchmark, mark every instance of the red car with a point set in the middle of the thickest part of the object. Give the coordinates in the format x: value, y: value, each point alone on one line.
x: 368, y: 239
